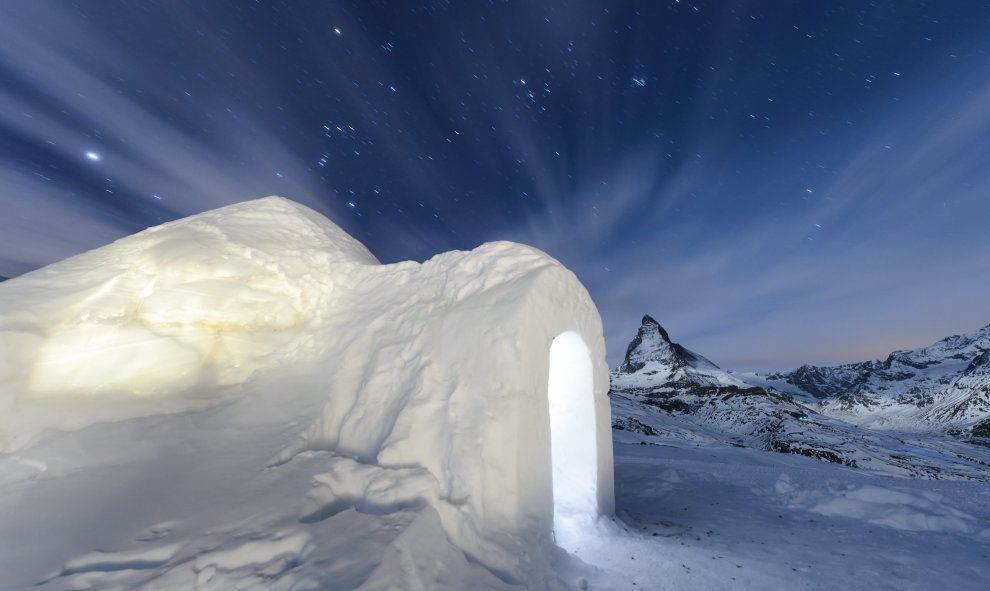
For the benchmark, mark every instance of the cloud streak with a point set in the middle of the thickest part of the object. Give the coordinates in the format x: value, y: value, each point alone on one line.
x: 890, y: 252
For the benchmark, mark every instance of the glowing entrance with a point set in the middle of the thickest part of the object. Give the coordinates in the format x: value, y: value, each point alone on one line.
x: 572, y: 438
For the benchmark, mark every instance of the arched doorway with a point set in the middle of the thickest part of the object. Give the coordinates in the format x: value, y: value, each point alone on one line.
x: 573, y: 443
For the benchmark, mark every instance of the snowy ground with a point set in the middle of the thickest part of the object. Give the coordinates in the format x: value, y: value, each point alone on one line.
x: 197, y: 500
x: 690, y: 515
x: 695, y: 515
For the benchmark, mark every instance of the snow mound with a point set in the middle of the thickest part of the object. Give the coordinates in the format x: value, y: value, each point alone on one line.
x: 288, y: 382
x: 208, y: 298
x: 926, y: 511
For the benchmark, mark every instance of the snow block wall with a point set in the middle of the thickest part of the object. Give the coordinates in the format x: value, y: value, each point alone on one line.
x: 429, y: 383
x: 446, y: 366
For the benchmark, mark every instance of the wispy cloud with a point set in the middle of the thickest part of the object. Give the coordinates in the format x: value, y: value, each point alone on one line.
x: 890, y: 250
x: 863, y: 235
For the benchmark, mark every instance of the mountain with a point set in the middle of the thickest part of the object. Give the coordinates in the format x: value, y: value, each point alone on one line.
x: 664, y: 390
x: 652, y: 345
x: 943, y: 387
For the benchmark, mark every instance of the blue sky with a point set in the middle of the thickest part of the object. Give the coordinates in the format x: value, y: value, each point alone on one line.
x: 776, y: 183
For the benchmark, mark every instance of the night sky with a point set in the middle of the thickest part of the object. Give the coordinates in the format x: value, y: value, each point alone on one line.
x: 776, y: 182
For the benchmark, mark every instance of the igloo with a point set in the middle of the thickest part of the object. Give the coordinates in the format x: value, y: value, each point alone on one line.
x: 474, y: 383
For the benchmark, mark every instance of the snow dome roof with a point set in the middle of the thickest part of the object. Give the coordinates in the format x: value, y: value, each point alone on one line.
x: 421, y: 386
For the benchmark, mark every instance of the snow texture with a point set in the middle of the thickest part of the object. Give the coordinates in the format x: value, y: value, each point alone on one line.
x: 706, y: 515
x: 245, y: 398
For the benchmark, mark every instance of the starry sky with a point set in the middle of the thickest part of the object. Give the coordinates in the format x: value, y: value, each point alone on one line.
x: 776, y: 182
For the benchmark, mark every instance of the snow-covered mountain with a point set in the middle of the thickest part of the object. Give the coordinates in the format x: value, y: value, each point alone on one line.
x: 662, y: 388
x: 942, y: 387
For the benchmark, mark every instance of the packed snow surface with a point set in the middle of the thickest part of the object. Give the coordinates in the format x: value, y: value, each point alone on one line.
x: 705, y: 515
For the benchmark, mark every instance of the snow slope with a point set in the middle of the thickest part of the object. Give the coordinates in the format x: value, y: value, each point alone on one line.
x: 247, y: 399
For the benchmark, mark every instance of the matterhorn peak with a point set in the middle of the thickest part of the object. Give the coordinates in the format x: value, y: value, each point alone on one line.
x: 650, y: 321
x: 652, y: 344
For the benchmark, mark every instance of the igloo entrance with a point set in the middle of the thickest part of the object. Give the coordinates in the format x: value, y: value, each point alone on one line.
x: 573, y: 446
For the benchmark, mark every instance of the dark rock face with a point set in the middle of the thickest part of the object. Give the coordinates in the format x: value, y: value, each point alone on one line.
x: 981, y: 429
x: 634, y: 426
x: 670, y: 403
x: 828, y: 455
x: 979, y: 364
x: 826, y: 382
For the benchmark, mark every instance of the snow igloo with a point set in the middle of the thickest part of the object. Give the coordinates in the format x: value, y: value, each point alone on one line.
x: 474, y: 383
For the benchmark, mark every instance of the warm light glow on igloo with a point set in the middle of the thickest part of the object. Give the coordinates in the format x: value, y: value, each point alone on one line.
x: 572, y: 438
x: 193, y: 310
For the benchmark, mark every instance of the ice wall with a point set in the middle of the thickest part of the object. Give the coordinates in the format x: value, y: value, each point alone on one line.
x: 445, y: 365
x: 432, y: 377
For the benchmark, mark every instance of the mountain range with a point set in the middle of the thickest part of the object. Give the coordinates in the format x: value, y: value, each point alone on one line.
x: 918, y: 413
x: 942, y: 387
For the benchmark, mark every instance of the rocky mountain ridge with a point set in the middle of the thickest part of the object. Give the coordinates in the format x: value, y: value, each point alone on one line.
x: 664, y: 389
x: 942, y: 387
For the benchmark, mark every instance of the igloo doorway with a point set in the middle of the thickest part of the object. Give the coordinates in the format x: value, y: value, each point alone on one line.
x: 573, y: 444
